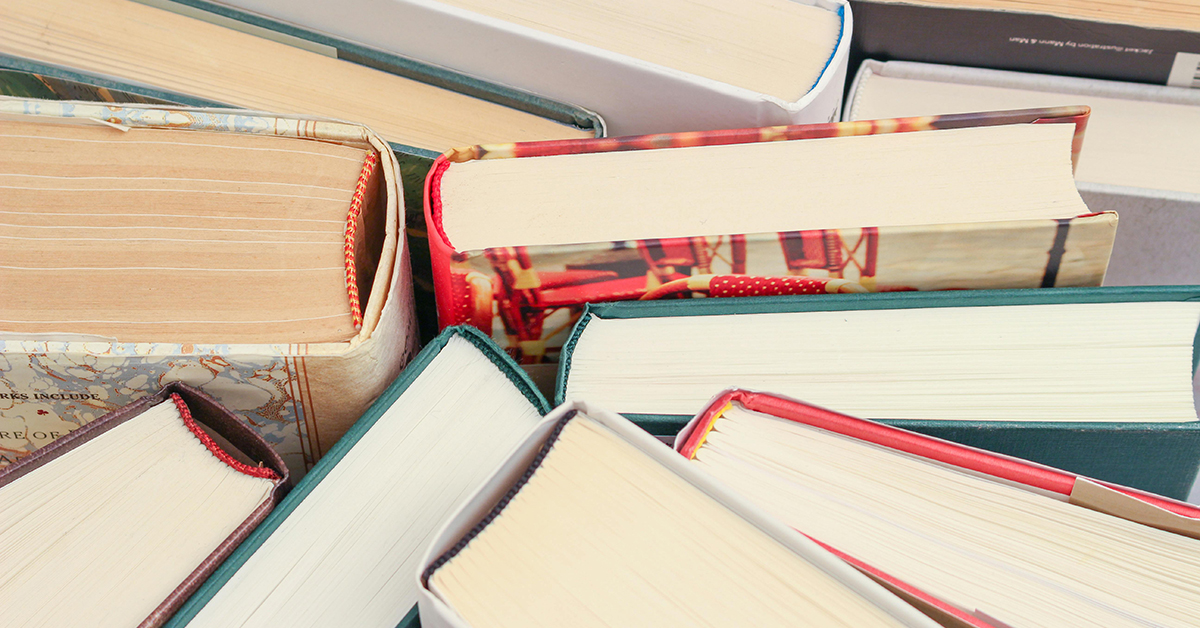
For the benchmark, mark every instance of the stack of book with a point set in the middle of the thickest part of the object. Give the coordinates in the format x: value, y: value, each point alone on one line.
x: 462, y: 313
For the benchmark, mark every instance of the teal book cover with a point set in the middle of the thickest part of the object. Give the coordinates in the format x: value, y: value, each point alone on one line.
x: 1158, y: 457
x: 427, y: 357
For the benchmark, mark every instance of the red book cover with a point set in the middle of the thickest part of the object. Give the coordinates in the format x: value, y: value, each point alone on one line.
x: 1127, y: 503
x: 527, y: 297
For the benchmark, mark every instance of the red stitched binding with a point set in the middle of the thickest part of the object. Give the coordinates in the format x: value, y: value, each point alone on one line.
x: 186, y: 415
x: 360, y: 191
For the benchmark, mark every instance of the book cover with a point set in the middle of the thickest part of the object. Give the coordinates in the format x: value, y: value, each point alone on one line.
x: 299, y: 397
x: 1025, y: 41
x: 428, y: 354
x: 527, y: 297
x: 203, y: 415
x: 1161, y: 458
x: 635, y: 96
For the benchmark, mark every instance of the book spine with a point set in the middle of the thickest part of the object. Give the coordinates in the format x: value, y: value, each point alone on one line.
x: 1025, y: 42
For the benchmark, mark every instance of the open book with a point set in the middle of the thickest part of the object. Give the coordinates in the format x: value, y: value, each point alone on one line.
x: 523, y: 235
x: 1094, y: 380
x: 1014, y: 543
x: 592, y: 522
x: 117, y: 523
x: 344, y: 547
x: 251, y: 255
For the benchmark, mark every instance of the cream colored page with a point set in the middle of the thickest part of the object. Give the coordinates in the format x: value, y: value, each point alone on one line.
x: 959, y: 175
x: 1021, y: 557
x: 174, y: 236
x: 602, y: 535
x: 775, y: 47
x: 348, y: 554
x: 103, y: 534
x: 1128, y: 142
x: 150, y: 46
x: 1068, y: 362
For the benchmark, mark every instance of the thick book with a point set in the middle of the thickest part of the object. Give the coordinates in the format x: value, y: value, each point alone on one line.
x: 523, y: 235
x: 667, y: 66
x: 592, y: 522
x: 991, y: 539
x: 1144, y: 41
x: 1142, y: 158
x: 255, y: 256
x: 203, y: 54
x: 1098, y: 381
x: 344, y: 546
x: 118, y: 522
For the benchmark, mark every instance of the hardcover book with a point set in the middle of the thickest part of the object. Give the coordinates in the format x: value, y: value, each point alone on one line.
x: 1098, y: 381
x: 1145, y: 41
x: 1142, y: 160
x: 667, y: 66
x: 592, y: 522
x: 344, y: 547
x: 993, y: 537
x: 130, y: 513
x: 202, y: 54
x: 253, y: 256
x: 523, y: 235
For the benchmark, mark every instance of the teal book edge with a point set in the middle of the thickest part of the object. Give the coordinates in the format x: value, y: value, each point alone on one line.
x: 1162, y: 458
x: 314, y: 477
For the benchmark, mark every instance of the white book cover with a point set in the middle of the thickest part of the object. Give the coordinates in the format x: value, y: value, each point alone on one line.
x: 634, y: 96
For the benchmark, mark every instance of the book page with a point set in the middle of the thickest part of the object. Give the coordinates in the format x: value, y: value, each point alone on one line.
x: 158, y: 235
x: 1059, y: 362
x: 101, y: 535
x: 601, y: 534
x: 1021, y: 557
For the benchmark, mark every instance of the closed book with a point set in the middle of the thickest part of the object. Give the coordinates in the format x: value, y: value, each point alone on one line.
x: 590, y: 521
x: 1142, y: 159
x: 1143, y: 41
x: 668, y: 67
x: 254, y: 256
x: 1060, y: 377
x: 203, y: 54
x: 129, y: 514
x: 343, y: 547
x: 988, y: 539
x: 523, y: 235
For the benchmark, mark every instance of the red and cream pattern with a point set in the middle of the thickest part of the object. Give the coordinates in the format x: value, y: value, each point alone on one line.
x: 528, y: 298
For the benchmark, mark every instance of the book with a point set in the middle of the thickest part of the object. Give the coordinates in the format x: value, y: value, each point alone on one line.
x: 1098, y: 381
x: 1145, y: 41
x: 196, y: 53
x: 343, y: 547
x: 1141, y: 157
x: 254, y: 256
x: 676, y: 65
x: 592, y: 522
x: 116, y: 523
x: 523, y: 235
x: 1008, y: 541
